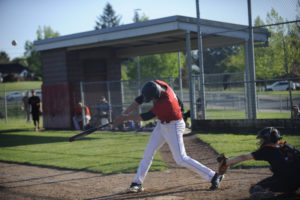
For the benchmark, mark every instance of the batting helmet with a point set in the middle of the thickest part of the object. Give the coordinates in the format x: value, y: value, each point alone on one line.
x: 269, y: 134
x: 151, y: 90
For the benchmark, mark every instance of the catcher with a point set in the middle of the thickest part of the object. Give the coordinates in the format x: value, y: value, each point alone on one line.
x: 284, y: 162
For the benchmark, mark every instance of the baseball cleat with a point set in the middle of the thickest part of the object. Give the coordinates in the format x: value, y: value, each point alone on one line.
x: 215, y: 181
x: 262, y: 195
x: 134, y: 188
x: 259, y: 193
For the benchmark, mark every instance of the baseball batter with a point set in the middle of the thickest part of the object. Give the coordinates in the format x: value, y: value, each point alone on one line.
x: 170, y: 127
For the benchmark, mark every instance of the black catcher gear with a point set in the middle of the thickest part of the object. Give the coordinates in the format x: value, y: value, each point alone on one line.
x: 269, y: 134
x: 151, y: 90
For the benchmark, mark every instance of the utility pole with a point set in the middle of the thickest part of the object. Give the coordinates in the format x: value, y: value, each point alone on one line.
x: 200, y: 59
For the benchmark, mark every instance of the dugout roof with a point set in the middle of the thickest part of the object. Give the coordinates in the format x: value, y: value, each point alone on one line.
x: 155, y: 36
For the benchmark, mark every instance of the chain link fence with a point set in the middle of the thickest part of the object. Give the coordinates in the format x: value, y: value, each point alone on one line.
x: 226, y: 96
x: 14, y: 104
x: 125, y: 91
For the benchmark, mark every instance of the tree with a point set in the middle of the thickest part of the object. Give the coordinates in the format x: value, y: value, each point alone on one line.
x: 295, y: 44
x: 151, y: 66
x: 235, y: 62
x: 108, y: 18
x: 21, y: 61
x: 4, y: 58
x: 138, y: 18
x: 213, y: 57
x: 280, y: 58
x: 265, y: 67
x: 32, y: 56
x: 154, y: 66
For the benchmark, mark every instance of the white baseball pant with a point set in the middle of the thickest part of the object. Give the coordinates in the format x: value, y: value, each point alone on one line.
x: 172, y: 133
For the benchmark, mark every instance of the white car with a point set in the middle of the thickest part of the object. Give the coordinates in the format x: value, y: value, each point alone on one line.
x: 281, y: 86
x: 14, y: 96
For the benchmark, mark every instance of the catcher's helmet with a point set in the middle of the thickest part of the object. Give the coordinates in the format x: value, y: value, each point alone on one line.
x: 269, y: 134
x: 151, y: 90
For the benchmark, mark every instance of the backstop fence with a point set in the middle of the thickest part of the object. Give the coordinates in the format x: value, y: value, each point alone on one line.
x: 226, y: 97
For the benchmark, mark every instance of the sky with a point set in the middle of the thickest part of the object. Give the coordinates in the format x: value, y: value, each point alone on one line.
x: 20, y: 19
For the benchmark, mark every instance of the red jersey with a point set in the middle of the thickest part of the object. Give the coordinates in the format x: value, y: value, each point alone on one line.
x: 78, y: 111
x: 167, y: 107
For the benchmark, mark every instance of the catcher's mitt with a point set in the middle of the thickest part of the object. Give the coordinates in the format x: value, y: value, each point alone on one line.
x: 222, y: 167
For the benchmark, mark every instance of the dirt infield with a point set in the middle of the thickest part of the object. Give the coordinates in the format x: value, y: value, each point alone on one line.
x: 32, y: 182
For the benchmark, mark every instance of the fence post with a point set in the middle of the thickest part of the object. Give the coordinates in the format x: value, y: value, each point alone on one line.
x: 200, y: 60
x: 257, y: 103
x: 108, y: 97
x: 191, y: 77
x: 171, y: 82
x: 122, y: 95
x: 83, y: 103
x: 180, y: 77
x: 280, y: 103
x: 5, y: 104
x: 251, y: 59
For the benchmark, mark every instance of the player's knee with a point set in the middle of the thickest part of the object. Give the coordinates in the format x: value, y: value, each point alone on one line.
x: 182, y: 161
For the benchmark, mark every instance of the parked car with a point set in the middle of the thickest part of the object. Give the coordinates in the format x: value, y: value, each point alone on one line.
x: 14, y: 96
x: 39, y: 93
x: 281, y: 86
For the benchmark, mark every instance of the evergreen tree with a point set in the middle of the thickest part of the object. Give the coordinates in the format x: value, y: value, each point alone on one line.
x: 4, y: 58
x: 108, y: 18
x: 139, y: 18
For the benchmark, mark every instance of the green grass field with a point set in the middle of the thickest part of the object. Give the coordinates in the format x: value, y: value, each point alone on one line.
x: 236, y: 144
x: 104, y: 152
x: 107, y: 152
x: 18, y: 86
x: 238, y: 114
x: 279, y: 93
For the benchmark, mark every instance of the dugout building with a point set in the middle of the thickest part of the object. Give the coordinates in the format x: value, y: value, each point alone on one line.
x: 97, y: 55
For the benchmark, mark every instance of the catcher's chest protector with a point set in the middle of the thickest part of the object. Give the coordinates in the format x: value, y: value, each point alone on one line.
x: 289, y: 153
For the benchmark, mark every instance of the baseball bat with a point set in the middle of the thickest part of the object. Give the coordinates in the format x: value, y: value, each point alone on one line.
x: 87, y: 132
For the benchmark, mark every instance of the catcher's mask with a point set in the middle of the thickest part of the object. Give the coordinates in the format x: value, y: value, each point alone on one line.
x: 269, y: 134
x: 151, y: 90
